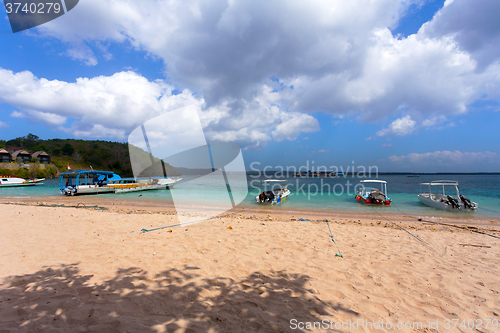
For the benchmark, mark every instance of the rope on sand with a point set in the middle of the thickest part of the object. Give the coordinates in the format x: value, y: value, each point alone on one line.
x: 448, y: 225
x: 416, y: 237
x: 333, y: 240
x: 187, y: 223
x: 339, y: 254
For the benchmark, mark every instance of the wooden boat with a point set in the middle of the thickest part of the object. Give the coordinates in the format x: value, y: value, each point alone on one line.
x: 9, y: 181
x: 95, y: 182
x: 373, y: 196
x: 125, y: 185
x: 442, y: 200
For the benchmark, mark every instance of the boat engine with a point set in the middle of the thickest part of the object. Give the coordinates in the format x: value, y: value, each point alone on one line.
x: 69, y: 191
x: 376, y: 196
x: 266, y: 196
x: 467, y: 203
x: 453, y: 202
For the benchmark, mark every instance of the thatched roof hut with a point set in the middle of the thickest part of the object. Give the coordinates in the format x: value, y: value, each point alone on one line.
x: 5, y: 156
x: 21, y: 156
x: 42, y: 157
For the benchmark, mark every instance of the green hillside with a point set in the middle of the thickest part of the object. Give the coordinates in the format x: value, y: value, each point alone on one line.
x: 79, y: 154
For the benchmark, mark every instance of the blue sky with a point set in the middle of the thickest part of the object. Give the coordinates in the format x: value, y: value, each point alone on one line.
x: 407, y: 86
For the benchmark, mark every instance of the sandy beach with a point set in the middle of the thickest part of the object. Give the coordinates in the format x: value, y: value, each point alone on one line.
x: 94, y: 270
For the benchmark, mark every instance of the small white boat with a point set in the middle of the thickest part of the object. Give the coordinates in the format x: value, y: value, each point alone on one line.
x: 8, y: 181
x: 371, y: 195
x: 442, y: 200
x: 126, y: 185
x: 273, y: 191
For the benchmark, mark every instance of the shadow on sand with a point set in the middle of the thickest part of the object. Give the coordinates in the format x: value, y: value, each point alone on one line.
x: 61, y: 299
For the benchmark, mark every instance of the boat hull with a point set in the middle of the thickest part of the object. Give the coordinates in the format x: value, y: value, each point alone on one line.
x: 436, y: 203
x: 18, y: 182
x: 17, y: 185
x: 369, y: 202
x: 88, y: 189
x: 120, y: 188
x: 140, y: 188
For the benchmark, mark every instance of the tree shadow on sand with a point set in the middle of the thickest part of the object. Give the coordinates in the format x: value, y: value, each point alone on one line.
x: 61, y: 299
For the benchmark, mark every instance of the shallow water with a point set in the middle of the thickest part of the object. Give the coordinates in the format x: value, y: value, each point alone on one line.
x: 316, y: 194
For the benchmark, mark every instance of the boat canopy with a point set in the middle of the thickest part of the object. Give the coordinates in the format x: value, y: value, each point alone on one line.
x: 273, y: 181
x: 81, y: 177
x: 383, y: 185
x: 273, y: 184
x: 373, y: 181
x: 441, y: 183
x: 92, y: 172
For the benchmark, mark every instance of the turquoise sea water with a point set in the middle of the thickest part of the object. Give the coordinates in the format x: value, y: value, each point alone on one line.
x: 317, y: 194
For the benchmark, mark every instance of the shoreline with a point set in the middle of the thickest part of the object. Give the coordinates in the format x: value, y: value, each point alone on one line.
x: 134, y: 206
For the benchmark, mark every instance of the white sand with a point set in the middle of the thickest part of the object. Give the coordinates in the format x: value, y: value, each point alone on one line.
x: 70, y: 270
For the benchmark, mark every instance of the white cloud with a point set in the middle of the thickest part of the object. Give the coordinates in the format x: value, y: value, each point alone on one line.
x: 83, y: 53
x: 292, y: 124
x: 2, y: 124
x: 400, y: 127
x: 340, y: 57
x: 434, y: 120
x: 17, y: 114
x: 111, y: 106
x: 448, y: 158
x: 473, y: 25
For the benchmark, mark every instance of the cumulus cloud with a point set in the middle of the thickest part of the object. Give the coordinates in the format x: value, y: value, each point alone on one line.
x: 2, y: 124
x: 448, y: 158
x: 111, y: 106
x: 400, y: 127
x: 433, y: 121
x: 17, y: 114
x: 338, y: 57
x: 473, y: 25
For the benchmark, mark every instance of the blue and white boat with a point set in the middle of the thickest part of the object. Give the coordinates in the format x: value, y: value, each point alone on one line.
x: 86, y: 182
x: 94, y: 182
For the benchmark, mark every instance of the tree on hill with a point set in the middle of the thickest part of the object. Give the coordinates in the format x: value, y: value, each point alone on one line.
x: 68, y: 149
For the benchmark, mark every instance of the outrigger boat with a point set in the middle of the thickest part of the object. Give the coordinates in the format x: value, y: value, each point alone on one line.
x: 94, y: 182
x: 9, y: 181
x: 373, y: 196
x: 442, y: 200
x: 125, y: 185
x: 270, y: 194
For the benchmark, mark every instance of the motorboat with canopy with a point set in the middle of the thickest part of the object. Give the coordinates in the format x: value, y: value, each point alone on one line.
x: 273, y: 191
x: 443, y: 200
x: 86, y: 182
x: 372, y: 195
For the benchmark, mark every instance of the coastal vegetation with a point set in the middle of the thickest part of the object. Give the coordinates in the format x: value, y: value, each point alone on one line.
x: 78, y: 154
